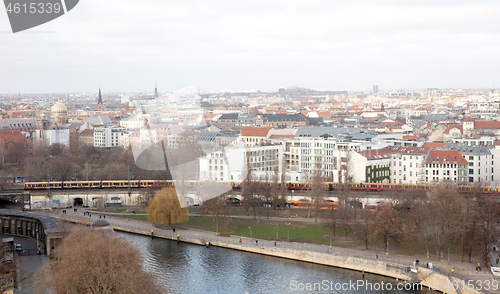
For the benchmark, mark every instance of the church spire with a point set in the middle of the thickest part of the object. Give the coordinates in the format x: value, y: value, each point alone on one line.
x: 99, y: 101
x: 156, y: 91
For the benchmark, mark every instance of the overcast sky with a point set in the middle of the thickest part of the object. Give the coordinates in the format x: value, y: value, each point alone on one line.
x: 126, y: 45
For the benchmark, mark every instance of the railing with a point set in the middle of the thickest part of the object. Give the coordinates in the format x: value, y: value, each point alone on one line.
x: 459, y: 275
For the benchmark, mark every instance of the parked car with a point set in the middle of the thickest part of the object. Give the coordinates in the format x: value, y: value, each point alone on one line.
x: 19, y: 247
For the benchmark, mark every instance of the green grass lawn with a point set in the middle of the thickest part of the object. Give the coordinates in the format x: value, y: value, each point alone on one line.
x: 130, y: 216
x: 298, y: 232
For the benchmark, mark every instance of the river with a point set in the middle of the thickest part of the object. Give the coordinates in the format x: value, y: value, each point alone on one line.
x: 186, y: 268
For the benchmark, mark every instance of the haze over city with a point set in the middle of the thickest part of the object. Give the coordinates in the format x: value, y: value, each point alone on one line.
x: 249, y: 146
x: 218, y: 45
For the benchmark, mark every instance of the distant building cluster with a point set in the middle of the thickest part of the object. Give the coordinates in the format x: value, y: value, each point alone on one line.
x: 371, y: 137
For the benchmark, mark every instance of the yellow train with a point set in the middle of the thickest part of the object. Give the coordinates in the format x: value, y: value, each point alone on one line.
x: 237, y: 185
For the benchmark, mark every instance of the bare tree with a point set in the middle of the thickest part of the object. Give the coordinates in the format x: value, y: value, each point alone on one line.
x: 104, y: 264
x: 333, y: 220
x: 364, y: 227
x: 283, y: 188
x: 489, y: 215
x: 275, y: 190
x: 319, y: 190
x: 61, y: 167
x: 468, y: 229
x: 249, y: 190
x: 443, y: 205
x: 216, y: 207
x: 345, y: 217
x: 386, y: 223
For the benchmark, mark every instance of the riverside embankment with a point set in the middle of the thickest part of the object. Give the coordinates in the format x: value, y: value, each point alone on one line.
x: 403, y: 270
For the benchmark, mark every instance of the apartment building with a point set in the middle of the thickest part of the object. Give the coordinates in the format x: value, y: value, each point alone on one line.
x: 231, y: 164
x: 446, y: 165
x: 109, y: 137
x: 481, y: 163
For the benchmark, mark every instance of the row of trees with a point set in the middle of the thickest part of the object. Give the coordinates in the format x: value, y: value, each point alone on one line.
x: 428, y: 221
x: 83, y: 161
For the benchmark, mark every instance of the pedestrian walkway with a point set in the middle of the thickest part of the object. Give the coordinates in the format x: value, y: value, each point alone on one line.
x: 461, y: 270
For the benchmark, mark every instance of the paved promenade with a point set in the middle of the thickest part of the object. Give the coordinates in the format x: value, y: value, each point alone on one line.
x: 461, y: 270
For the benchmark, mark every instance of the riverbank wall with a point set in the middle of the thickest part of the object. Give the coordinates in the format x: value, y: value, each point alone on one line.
x: 403, y: 273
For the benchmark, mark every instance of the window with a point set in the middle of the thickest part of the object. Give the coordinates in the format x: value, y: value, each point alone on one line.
x: 471, y: 163
x: 471, y: 171
x: 471, y: 179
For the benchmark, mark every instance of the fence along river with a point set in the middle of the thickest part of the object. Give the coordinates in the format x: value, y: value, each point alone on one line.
x: 187, y: 268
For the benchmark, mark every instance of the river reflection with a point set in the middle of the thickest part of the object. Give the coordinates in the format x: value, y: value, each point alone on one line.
x: 186, y: 268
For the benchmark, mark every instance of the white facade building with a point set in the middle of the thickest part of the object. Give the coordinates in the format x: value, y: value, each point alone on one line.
x: 132, y: 124
x: 407, y: 168
x: 108, y: 137
x: 231, y: 164
x: 52, y: 137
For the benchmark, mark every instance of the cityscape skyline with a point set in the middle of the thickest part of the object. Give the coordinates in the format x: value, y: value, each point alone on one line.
x: 216, y: 45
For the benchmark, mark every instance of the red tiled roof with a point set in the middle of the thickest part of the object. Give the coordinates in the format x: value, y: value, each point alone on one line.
x: 385, y: 152
x: 449, y: 128
x: 487, y: 124
x: 255, y: 131
x: 413, y: 137
x: 439, y: 156
x: 13, y: 136
x: 468, y: 119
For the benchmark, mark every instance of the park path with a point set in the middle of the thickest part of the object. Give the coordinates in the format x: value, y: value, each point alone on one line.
x: 461, y: 270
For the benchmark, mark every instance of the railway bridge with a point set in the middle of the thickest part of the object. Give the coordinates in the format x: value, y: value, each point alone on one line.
x: 46, y: 199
